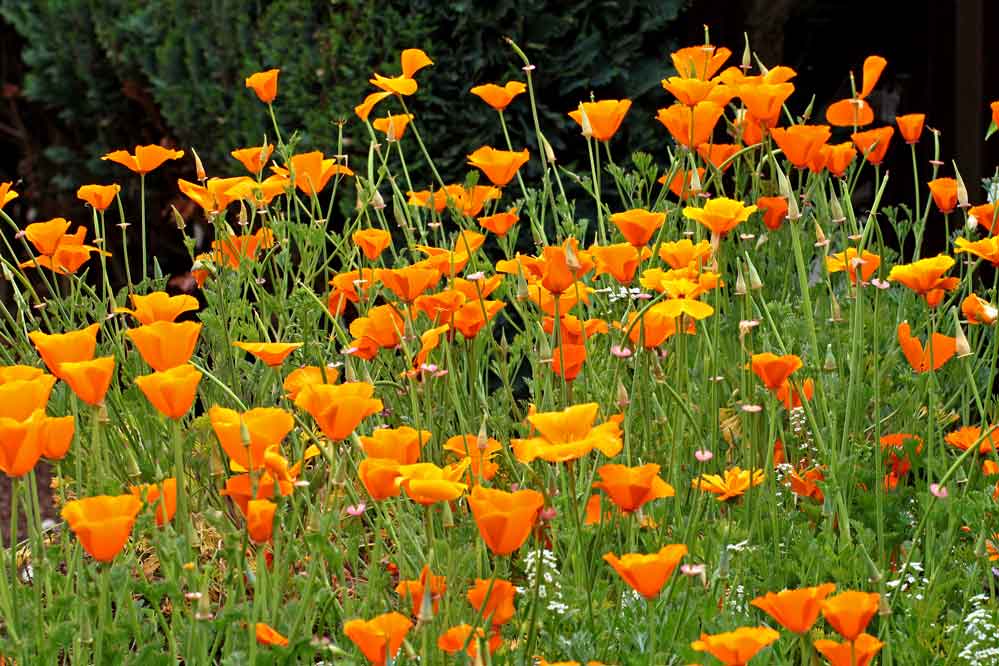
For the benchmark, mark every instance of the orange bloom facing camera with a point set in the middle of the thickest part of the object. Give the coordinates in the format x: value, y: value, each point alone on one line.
x: 164, y: 345
x: 500, y: 166
x: 159, y: 306
x: 339, y: 408
x: 103, y: 523
x: 498, y: 600
x: 372, y: 242
x: 647, y: 574
x: 850, y: 612
x: 736, y: 648
x: 795, y: 610
x: 630, y: 488
x: 774, y: 370
x: 265, y: 427
x: 505, y: 520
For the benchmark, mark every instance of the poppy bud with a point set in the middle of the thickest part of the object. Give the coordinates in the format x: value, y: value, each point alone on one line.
x: 622, y: 395
x: 830, y: 363
x: 755, y: 282
x: 571, y: 260
x: 242, y: 219
x: 199, y: 168
x: 808, y: 110
x: 820, y: 236
x: 482, y: 441
x: 377, y: 202
x: 426, y: 613
x: 400, y: 217
x: 884, y: 608
x: 178, y: 219
x: 695, y: 181
x: 447, y: 518
x: 747, y: 55
x: 962, y: 190
x: 549, y: 153
x: 961, y: 346
x: 836, y: 210
x: 523, y: 292
x: 131, y: 464
x: 584, y: 123
x: 837, y: 313
x: 740, y: 282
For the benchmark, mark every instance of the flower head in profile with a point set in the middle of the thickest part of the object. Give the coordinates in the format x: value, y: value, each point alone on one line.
x: 499, y: 166
x: 979, y: 311
x: 497, y: 595
x: 944, y: 193
x: 910, y: 126
x: 736, y: 648
x: 701, y: 61
x: 647, y: 574
x: 873, y: 144
x: 102, y: 524
x: 159, y: 306
x: 7, y: 194
x: 850, y: 612
x: 98, y: 196
x: 339, y: 408
x: 859, y: 652
x: 267, y: 635
x: 505, y: 520
x: 145, y: 158
x: 271, y: 353
x: 720, y: 214
x: 796, y: 610
x: 926, y: 277
x: 921, y: 359
x: 499, y: 97
x: 380, y: 638
x: 162, y: 497
x: 414, y: 591
x: 630, y: 488
x: 638, y: 225
x: 986, y: 248
x: 264, y: 85
x: 426, y: 483
x: 601, y: 119
x: 774, y: 370
x: 865, y: 263
x: 691, y: 126
x: 735, y: 482
x: 412, y: 60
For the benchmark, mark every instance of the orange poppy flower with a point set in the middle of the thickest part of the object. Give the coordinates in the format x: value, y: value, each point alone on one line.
x: 89, y: 380
x: 925, y: 277
x: 558, y: 276
x: 381, y: 328
x: 163, y: 344
x: 684, y: 253
x: 719, y: 155
x: 442, y: 305
x: 500, y: 223
x: 267, y: 635
x: 944, y: 191
x: 372, y: 241
x: 499, y: 97
x: 691, y: 126
x: 159, y: 306
x: 895, y: 442
x: 652, y: 328
x: 990, y: 468
x: 103, y: 523
x: 21, y: 444
x: 910, y: 126
x: 413, y: 60
x: 500, y: 166
x: 312, y: 172
x: 682, y: 183
x: 379, y: 476
x: 850, y: 113
x: 632, y: 487
x: 918, y: 358
x: 6, y: 194
x: 260, y: 194
x: 18, y: 373
x: 638, y: 225
x: 299, y: 378
x: 837, y: 158
x: 965, y: 437
x: 254, y: 159
x: 393, y: 126
x: 98, y: 196
x: 348, y: 287
x: 849, y: 612
x: 688, y: 91
x: 265, y: 427
x: 467, y: 446
x: 978, y: 310
x: 426, y: 483
x: 505, y: 520
x: 364, y: 109
x: 46, y: 236
x: 264, y: 84
x: 764, y: 101
x: 568, y: 360
x: 161, y: 496
x: 985, y: 215
x: 987, y: 248
x: 774, y: 370
x: 380, y: 638
x: 240, y: 488
x: 774, y: 211
x: 736, y: 648
x: 339, y: 409
x: 409, y: 282
x: 792, y: 398
x: 603, y: 117
x: 468, y: 201
x: 455, y: 638
x: 994, y: 107
x: 866, y: 264
x: 647, y: 574
x: 701, y: 61
x: 568, y: 434
x: 216, y: 194
x: 800, y: 142
x: 735, y: 482
x: 172, y: 391
x: 58, y: 251
x: 795, y: 610
x: 497, y: 595
x: 620, y: 260
x: 260, y: 520
x: 873, y: 144
x: 873, y: 66
x: 416, y: 590
x: 849, y: 653
x: 271, y: 353
x: 720, y: 214
x: 474, y: 315
x: 145, y: 159
x: 401, y: 444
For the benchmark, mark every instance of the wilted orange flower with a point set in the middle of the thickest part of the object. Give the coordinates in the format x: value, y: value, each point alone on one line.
x: 299, y: 378
x: 978, y: 310
x: 866, y: 264
x: 260, y: 520
x: 944, y: 191
x: 986, y: 248
x: 381, y: 328
x: 90, y: 379
x: 401, y: 444
x: 500, y: 166
x: 372, y: 241
x: 688, y: 91
x: 603, y: 117
x: 103, y: 523
x: 849, y: 612
x: 497, y: 595
x: 795, y: 610
x: 6, y: 194
x: 873, y: 144
x: 568, y: 434
x: 966, y: 437
x: 720, y: 214
x: 413, y: 60
x: 800, y: 142
x: 215, y: 195
x: 736, y: 648
x: 499, y: 97
x: 161, y: 496
x: 271, y: 353
x: 172, y: 391
x: 943, y: 348
x: 499, y: 223
x: 455, y: 638
x: 57, y: 348
x: 910, y: 126
x: 364, y: 109
x: 632, y: 487
x: 339, y: 408
x: 620, y: 260
x: 254, y: 158
x: 647, y: 574
x: 393, y: 126
x: 873, y: 66
x: 719, y: 155
x: 684, y: 252
x: 849, y: 653
x: 774, y: 370
x: 379, y: 476
x: 682, y: 183
x: 163, y: 344
x: 701, y: 61
x: 264, y: 84
x: 926, y: 277
x: 764, y: 101
x: 159, y: 306
x: 267, y: 635
x: 735, y: 482
x: 638, y: 225
x: 312, y: 172
x: 774, y: 211
x: 98, y: 196
x: 415, y: 590
x: 145, y: 159
x: 379, y: 639
x: 265, y: 426
x: 691, y: 126
x: 505, y: 520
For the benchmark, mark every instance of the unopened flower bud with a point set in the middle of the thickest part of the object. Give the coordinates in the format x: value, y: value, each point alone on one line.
x: 747, y: 55
x: 584, y: 122
x: 836, y: 210
x: 178, y: 219
x: 377, y: 202
x: 623, y: 400
x: 571, y: 260
x: 549, y: 153
x: 829, y: 364
x: 755, y: 281
x: 740, y: 282
x: 961, y: 346
x: 199, y: 168
x: 962, y: 190
x: 482, y: 441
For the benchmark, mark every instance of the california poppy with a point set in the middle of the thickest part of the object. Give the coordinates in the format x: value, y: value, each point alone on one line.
x: 402, y: 444
x: 638, y: 225
x: 260, y: 194
x: 691, y: 126
x: 603, y: 117
x: 735, y: 482
x: 850, y: 113
x: 682, y: 183
x: 568, y: 434
x: 764, y: 101
x: 103, y: 523
x: 372, y: 241
x: 468, y: 201
x: 736, y: 648
x: 264, y: 84
x: 427, y: 584
x: 380, y: 638
x: 684, y: 253
x: 20, y: 398
x: 159, y: 306
x: 426, y: 483
x: 926, y: 277
x: 379, y: 477
x: 497, y: 595
x: 499, y: 97
x: 267, y: 635
x: 859, y: 652
x: 791, y: 397
x: 260, y: 520
x: 164, y: 345
x: 774, y: 211
x: 364, y: 109
x: 408, y: 282
x: 719, y: 155
x: 500, y: 166
x: 172, y: 391
x: 630, y: 488
x: 90, y: 379
x: 800, y: 142
x: 145, y: 159
x: 620, y: 260
x: 455, y: 638
x: 943, y: 348
x: 701, y: 61
x: 647, y: 574
x: 985, y: 215
x: 873, y: 144
x: 60, y: 252
x: 474, y: 315
x: 849, y: 612
x: 98, y: 196
x: 944, y: 191
x: 393, y: 126
x: 312, y: 172
x: 838, y: 157
x: 499, y: 223
x: 413, y: 60
x: 241, y: 488
x: 720, y: 214
x: 479, y: 450
x: 265, y: 427
x: 271, y: 353
x: 299, y: 378
x: 254, y: 158
x: 910, y: 126
x: 380, y: 328
x: 865, y: 263
x: 979, y: 311
x: 505, y: 520
x: 796, y: 610
x: 966, y: 437
x: 688, y: 91
x: 21, y: 445
x: 774, y: 370
x: 161, y: 496
x: 338, y: 409
x: 6, y: 194
x: 215, y: 195
x: 986, y: 248
x: 568, y: 360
